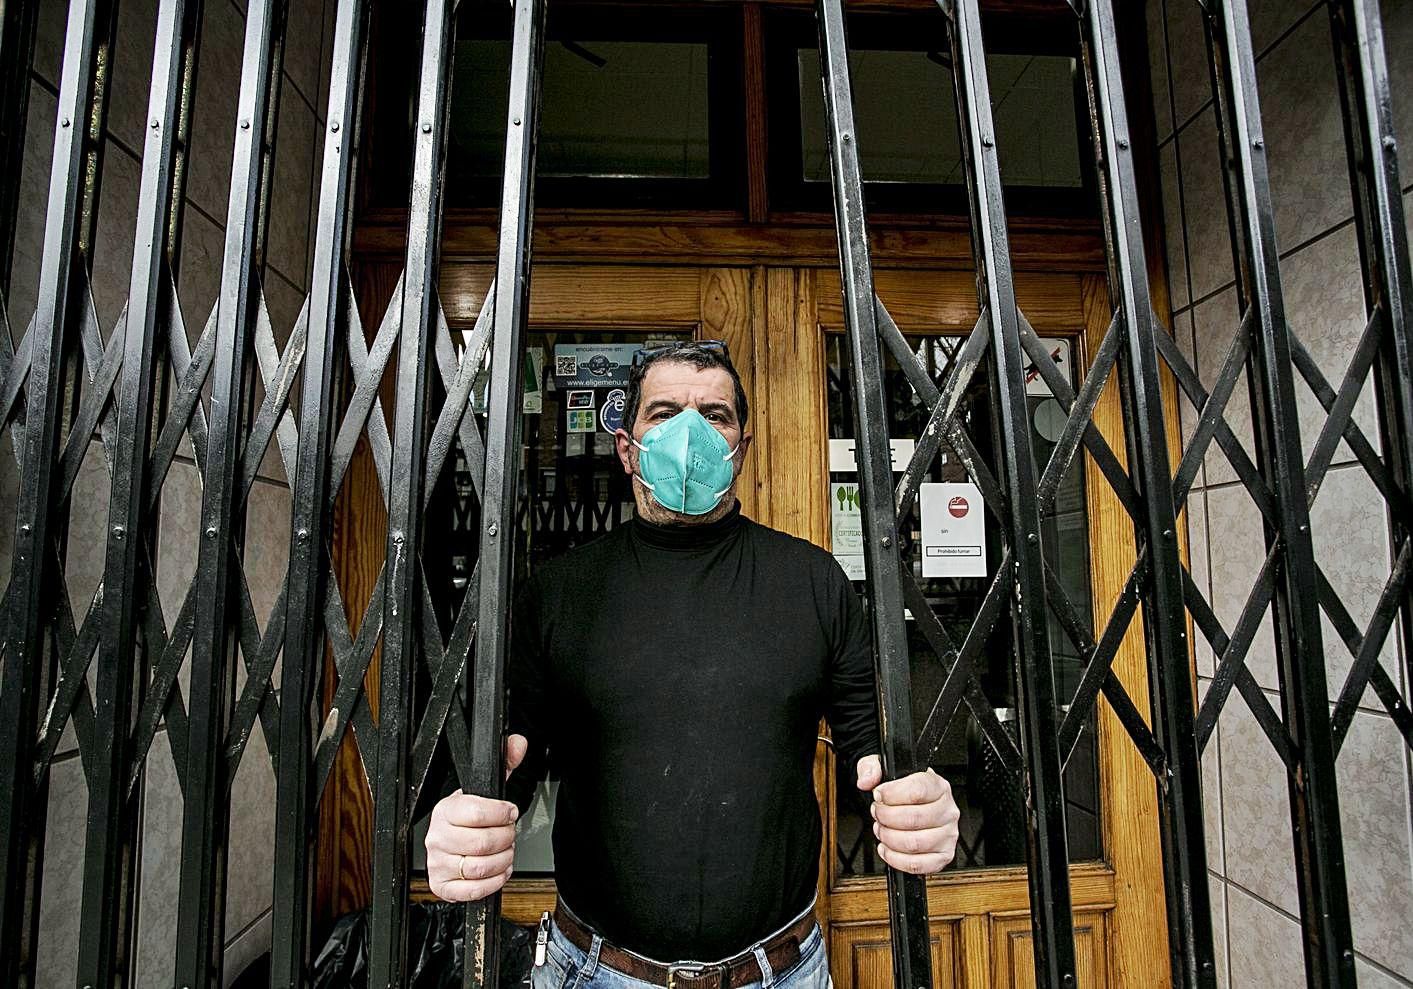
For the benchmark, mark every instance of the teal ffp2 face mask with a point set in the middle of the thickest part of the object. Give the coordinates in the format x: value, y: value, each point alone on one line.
x: 685, y: 463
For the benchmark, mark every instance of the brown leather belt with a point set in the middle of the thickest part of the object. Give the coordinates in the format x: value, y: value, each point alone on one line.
x: 782, y: 951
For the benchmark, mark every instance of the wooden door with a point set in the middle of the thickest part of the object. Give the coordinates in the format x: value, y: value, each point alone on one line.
x: 979, y: 917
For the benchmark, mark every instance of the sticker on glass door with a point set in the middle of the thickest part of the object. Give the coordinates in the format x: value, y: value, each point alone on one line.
x: 953, y: 530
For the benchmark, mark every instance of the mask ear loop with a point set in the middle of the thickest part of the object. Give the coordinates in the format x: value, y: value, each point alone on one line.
x: 725, y: 458
x: 636, y: 476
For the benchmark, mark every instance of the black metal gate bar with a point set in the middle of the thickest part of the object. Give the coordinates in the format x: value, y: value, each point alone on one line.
x: 1372, y: 151
x: 1314, y: 794
x: 502, y: 459
x: 36, y: 568
x: 907, y: 894
x: 1190, y: 946
x: 402, y: 600
x: 1046, y: 846
x: 109, y: 860
x: 205, y: 810
x: 296, y: 800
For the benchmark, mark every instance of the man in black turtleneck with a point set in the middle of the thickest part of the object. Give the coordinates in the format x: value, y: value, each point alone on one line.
x: 675, y: 670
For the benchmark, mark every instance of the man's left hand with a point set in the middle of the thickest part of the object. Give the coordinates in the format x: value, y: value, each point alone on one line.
x: 914, y: 818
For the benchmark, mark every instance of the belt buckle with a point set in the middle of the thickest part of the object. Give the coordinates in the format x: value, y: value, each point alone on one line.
x: 683, y: 976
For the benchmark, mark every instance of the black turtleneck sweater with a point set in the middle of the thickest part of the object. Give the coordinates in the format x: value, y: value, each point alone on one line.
x: 677, y: 675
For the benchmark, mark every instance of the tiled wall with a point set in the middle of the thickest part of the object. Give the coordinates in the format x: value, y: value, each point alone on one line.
x: 285, y: 282
x: 1252, y: 872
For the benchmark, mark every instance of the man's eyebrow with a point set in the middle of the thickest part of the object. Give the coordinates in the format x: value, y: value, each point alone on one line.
x: 662, y: 403
x: 724, y: 407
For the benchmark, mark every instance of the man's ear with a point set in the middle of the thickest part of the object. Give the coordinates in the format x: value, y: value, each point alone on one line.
x: 623, y: 445
x: 742, y: 450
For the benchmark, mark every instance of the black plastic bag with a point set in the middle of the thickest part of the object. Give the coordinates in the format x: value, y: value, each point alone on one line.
x: 435, y: 948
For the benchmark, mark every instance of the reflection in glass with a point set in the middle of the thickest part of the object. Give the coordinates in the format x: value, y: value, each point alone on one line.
x: 610, y: 109
x: 907, y: 118
x: 993, y: 831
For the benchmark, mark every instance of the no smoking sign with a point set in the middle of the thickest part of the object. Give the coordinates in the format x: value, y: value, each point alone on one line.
x: 953, y: 531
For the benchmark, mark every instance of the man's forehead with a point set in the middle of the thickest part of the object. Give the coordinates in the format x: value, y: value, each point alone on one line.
x: 680, y: 382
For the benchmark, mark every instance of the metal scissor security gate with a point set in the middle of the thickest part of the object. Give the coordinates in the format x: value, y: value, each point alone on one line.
x: 1305, y: 735
x: 108, y: 671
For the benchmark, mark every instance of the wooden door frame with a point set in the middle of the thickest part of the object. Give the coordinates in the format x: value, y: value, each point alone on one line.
x: 768, y: 314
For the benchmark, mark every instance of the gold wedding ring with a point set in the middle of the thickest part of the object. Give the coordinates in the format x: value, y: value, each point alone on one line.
x: 461, y: 867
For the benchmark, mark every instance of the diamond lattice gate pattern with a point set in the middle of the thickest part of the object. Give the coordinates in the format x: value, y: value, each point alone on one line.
x: 116, y: 670
x: 228, y: 666
x: 1160, y: 593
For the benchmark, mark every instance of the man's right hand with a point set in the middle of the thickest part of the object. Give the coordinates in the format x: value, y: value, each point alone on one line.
x: 471, y: 840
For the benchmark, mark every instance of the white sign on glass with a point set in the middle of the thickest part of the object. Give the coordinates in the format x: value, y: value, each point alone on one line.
x: 953, y: 530
x: 1059, y: 355
x: 846, y: 528
x: 843, y: 460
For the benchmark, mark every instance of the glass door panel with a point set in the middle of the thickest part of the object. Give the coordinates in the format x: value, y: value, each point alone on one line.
x: 572, y: 490
x: 990, y: 796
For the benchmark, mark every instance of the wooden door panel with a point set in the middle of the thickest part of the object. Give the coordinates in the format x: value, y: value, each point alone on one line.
x: 1013, y: 953
x: 861, y: 955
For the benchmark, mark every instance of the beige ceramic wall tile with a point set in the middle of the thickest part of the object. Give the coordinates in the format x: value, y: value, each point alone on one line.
x: 326, y: 60
x: 304, y: 37
x: 1204, y: 206
x: 1376, y: 978
x: 64, y: 843
x: 1212, y: 795
x: 177, y: 548
x: 88, y: 531
x: 1270, y: 18
x: 132, y: 72
x: 111, y: 258
x: 284, y: 304
x: 1324, y: 304
x: 199, y: 274
x: 287, y: 247
x: 1374, y: 816
x: 213, y: 118
x: 1236, y: 560
x: 1197, y: 564
x: 266, y: 554
x: 49, y: 41
x: 1266, y: 952
x: 1217, y: 890
x: 161, y: 846
x: 1398, y: 52
x: 1349, y: 525
x: 1304, y: 133
x: 251, y: 846
x: 1187, y: 55
x: 29, y: 221
x: 1256, y: 808
x: 1215, y: 324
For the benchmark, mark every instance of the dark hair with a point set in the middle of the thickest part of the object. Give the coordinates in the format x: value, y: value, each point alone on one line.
x: 701, y: 358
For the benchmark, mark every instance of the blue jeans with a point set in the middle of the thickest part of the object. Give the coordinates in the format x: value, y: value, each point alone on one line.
x: 567, y: 966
